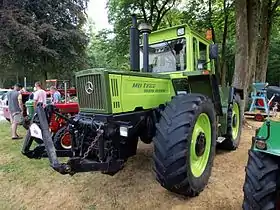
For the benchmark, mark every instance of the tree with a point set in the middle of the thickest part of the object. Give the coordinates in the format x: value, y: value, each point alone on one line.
x: 120, y: 11
x: 44, y: 36
x: 268, y: 9
x: 253, y: 30
x: 241, y: 46
x: 273, y: 74
x: 227, y: 6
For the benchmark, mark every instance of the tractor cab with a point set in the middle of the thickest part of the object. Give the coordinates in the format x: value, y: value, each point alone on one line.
x: 178, y: 49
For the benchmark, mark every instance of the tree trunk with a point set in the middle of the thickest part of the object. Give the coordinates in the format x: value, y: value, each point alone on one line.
x: 241, y: 52
x: 263, y: 62
x: 263, y: 45
x: 240, y: 76
x: 2, y: 81
x: 253, y: 11
x: 223, y: 59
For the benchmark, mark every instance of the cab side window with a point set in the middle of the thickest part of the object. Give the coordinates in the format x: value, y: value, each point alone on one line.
x: 202, y: 52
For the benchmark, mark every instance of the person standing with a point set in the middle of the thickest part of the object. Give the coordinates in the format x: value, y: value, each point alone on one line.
x: 40, y: 96
x: 56, y: 96
x: 15, y: 107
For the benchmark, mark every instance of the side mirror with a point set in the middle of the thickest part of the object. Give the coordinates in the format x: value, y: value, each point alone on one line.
x: 214, y: 51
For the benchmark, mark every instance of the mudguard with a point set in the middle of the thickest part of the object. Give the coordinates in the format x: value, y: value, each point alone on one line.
x: 272, y: 143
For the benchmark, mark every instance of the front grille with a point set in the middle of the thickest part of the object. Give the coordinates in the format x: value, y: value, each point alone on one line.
x: 114, y: 86
x: 94, y: 98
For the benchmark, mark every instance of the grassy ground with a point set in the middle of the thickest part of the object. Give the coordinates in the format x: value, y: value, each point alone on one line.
x: 32, y: 184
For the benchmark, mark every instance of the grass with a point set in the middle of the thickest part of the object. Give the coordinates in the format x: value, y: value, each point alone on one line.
x: 32, y: 184
x: 24, y: 181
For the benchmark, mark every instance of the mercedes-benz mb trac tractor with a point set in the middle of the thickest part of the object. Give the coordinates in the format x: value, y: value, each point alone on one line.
x: 170, y: 98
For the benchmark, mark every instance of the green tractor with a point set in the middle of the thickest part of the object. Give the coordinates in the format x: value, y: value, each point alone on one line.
x: 170, y: 98
x: 262, y: 181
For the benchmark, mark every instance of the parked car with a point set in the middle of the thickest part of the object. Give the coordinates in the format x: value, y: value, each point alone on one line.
x: 3, y: 97
x: 6, y: 113
x: 3, y: 91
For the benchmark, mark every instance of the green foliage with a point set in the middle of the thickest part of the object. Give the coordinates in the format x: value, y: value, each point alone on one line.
x: 273, y: 73
x: 44, y: 36
x: 120, y: 12
x: 103, y: 52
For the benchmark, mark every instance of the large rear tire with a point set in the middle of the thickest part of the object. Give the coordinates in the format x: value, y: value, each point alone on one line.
x: 234, y: 125
x: 260, y: 187
x: 184, y: 144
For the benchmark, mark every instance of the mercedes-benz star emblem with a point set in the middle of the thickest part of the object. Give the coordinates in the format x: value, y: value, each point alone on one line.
x: 89, y: 87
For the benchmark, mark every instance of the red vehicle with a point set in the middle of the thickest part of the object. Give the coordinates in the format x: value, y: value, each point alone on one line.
x: 59, y: 84
x: 6, y: 113
x: 59, y: 127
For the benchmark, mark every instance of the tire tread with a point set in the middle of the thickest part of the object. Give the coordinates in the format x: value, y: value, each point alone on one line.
x: 170, y: 150
x: 260, y: 185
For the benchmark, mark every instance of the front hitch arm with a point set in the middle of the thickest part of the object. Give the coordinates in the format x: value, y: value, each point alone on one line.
x: 49, y: 145
x: 46, y: 146
x: 40, y: 150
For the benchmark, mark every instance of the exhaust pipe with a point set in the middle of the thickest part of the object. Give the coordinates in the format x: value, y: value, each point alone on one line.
x: 145, y: 29
x: 134, y: 45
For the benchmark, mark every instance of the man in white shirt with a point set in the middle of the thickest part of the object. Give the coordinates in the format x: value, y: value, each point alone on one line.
x: 40, y: 96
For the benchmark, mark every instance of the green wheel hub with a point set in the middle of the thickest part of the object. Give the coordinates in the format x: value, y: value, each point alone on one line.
x: 200, y: 145
x: 235, y: 120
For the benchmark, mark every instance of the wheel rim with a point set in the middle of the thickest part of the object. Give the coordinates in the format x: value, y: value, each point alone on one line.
x: 200, y: 145
x: 235, y: 120
x: 66, y: 141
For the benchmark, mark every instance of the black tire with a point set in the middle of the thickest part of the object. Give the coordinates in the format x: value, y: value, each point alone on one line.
x: 232, y: 143
x: 260, y: 187
x: 172, y: 144
x: 147, y: 131
x: 57, y: 138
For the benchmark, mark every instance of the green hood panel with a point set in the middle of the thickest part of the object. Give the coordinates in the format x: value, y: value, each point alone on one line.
x: 121, y: 91
x: 273, y: 143
x: 129, y: 73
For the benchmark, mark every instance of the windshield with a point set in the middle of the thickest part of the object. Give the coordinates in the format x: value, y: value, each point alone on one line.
x: 166, y: 56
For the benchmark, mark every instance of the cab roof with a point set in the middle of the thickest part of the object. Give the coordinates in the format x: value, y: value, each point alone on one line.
x: 171, y: 33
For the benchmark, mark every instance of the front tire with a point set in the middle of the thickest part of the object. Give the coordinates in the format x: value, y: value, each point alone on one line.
x: 260, y: 187
x: 184, y: 144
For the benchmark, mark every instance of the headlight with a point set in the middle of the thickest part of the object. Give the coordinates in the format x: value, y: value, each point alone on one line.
x: 124, y: 131
x: 180, y: 31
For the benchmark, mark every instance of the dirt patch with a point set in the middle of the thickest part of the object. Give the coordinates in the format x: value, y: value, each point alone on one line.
x: 36, y: 186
